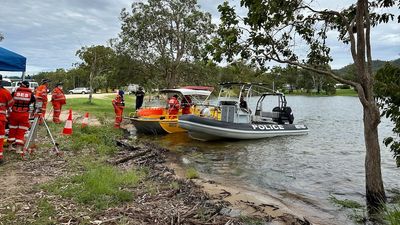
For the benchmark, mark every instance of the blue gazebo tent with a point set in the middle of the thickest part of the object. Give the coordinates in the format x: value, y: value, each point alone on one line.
x: 11, y: 61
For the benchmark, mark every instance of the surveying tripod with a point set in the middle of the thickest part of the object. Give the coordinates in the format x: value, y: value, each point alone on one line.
x: 29, y: 143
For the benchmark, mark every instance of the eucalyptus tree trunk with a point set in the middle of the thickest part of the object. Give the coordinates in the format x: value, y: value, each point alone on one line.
x: 375, y: 192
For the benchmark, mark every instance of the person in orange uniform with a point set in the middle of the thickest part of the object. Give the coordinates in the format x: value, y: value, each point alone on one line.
x: 19, y: 116
x: 186, y: 104
x: 119, y: 106
x: 41, y: 96
x: 173, y: 104
x: 57, y: 100
x: 6, y: 101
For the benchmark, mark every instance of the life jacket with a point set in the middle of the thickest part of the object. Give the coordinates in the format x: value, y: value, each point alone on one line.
x: 22, y: 99
x: 186, y: 104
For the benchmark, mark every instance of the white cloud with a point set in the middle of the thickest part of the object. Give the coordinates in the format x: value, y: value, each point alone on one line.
x: 49, y: 32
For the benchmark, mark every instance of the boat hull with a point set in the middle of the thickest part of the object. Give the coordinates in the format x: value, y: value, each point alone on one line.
x: 156, y: 125
x: 148, y: 126
x: 206, y: 129
x: 171, y: 126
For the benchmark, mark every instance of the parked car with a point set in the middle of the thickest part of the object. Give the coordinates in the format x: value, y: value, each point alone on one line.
x: 7, y: 84
x: 79, y: 90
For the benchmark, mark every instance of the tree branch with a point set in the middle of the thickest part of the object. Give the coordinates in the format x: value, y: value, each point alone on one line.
x: 345, y: 22
x: 368, y: 40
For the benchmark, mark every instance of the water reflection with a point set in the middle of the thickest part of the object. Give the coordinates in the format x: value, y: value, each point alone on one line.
x: 304, y: 170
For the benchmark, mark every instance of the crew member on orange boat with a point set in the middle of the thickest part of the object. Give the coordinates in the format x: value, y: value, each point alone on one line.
x: 186, y: 104
x: 173, y: 104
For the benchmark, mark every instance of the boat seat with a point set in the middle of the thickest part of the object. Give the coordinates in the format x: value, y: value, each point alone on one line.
x: 259, y: 119
x: 273, y: 115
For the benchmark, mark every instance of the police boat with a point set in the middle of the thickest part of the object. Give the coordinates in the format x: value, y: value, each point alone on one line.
x: 237, y: 121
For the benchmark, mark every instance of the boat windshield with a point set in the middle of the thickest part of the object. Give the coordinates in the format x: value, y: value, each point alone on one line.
x: 195, y: 97
x: 236, y: 91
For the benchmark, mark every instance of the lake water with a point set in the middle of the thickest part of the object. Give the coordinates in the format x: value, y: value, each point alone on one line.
x: 303, y: 171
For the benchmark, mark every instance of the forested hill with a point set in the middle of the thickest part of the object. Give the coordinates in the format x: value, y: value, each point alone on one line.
x: 376, y: 65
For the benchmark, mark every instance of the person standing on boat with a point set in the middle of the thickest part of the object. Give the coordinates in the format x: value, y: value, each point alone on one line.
x: 119, y: 105
x: 57, y: 100
x: 186, y: 104
x: 243, y: 105
x: 173, y: 104
x: 139, y: 98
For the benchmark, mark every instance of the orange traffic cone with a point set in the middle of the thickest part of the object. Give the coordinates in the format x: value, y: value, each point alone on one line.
x: 85, y: 120
x: 68, y: 124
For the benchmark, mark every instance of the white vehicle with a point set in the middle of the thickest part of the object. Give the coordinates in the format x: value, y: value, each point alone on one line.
x: 7, y: 84
x: 132, y: 88
x: 32, y: 85
x: 79, y: 90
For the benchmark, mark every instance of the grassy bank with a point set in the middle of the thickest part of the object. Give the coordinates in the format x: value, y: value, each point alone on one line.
x: 98, y: 107
x: 339, y: 92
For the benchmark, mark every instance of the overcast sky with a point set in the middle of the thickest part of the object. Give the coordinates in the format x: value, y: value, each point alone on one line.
x: 49, y: 32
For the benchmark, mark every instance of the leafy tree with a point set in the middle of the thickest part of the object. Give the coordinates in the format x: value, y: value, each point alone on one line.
x: 75, y: 77
x: 387, y: 88
x: 199, y: 73
x: 270, y: 32
x: 98, y: 60
x: 165, y: 33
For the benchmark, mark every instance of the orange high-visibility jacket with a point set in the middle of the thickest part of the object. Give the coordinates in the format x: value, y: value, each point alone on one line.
x: 41, y: 93
x: 6, y: 101
x: 58, y: 95
x: 118, y: 102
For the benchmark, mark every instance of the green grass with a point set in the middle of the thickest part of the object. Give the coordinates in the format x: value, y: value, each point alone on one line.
x: 46, y: 213
x: 346, y: 92
x: 98, y: 107
x: 392, y: 215
x: 339, y: 92
x: 191, y: 173
x: 101, y: 139
x: 101, y: 186
x: 174, y: 185
x: 345, y: 203
x: 251, y: 220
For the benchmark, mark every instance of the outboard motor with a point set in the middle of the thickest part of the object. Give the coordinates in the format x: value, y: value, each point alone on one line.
x: 285, y: 115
